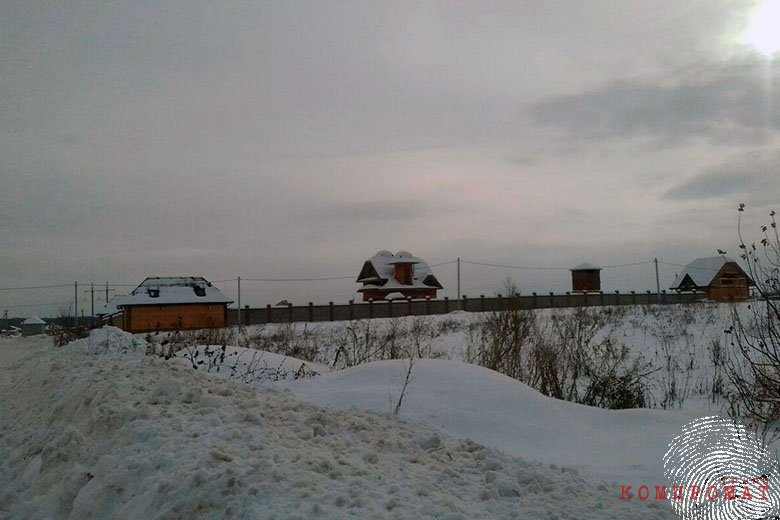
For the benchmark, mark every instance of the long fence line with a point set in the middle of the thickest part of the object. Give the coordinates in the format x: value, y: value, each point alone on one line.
x: 397, y: 308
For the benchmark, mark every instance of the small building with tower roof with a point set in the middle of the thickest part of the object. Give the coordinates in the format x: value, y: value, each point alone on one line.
x: 389, y: 276
x: 585, y: 278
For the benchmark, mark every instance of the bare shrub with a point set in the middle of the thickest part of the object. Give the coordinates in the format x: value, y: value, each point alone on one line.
x: 563, y: 358
x: 753, y: 366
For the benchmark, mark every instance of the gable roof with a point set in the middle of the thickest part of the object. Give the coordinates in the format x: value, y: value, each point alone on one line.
x: 33, y: 320
x: 379, y: 272
x: 703, y: 270
x: 172, y: 290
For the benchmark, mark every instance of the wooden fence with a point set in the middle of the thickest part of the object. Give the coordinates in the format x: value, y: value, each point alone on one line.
x: 386, y: 309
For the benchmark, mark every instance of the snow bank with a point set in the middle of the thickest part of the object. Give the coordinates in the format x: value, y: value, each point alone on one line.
x: 248, y: 365
x: 141, y: 437
x: 109, y: 340
x: 471, y: 402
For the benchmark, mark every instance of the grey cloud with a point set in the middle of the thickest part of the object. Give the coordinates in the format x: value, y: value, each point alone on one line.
x: 730, y: 106
x: 754, y: 173
x: 374, y: 210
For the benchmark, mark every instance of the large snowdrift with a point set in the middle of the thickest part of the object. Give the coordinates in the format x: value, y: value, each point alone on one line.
x: 137, y: 437
x: 472, y: 402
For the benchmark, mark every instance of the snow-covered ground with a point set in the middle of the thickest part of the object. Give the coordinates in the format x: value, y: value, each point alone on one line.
x: 126, y: 436
x: 471, y: 402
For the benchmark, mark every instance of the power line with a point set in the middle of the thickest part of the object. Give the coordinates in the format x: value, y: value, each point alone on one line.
x: 36, y: 287
x: 537, y: 268
x: 34, y: 305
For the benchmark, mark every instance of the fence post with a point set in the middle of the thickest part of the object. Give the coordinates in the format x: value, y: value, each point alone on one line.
x: 268, y: 313
x: 482, y: 302
x: 247, y: 321
x: 552, y: 301
x: 290, y: 312
x: 568, y: 299
x: 534, y: 300
x: 663, y: 296
x: 351, y: 310
x: 409, y: 308
x: 633, y: 297
x: 427, y: 305
x: 390, y: 308
x: 601, y: 298
x: 465, y: 302
x: 617, y: 297
x: 446, y: 304
x: 370, y: 307
x: 311, y: 311
x: 330, y: 310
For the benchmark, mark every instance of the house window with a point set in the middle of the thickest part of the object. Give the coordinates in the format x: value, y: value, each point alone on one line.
x: 154, y: 293
x: 199, y: 291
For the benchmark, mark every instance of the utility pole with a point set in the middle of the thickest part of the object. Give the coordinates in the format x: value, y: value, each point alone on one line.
x: 92, y: 294
x: 239, y: 303
x: 458, y: 297
x: 657, y: 280
x: 75, y: 305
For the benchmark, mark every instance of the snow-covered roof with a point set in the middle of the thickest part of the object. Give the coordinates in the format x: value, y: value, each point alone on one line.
x: 702, y: 270
x: 33, y: 320
x: 585, y: 267
x: 172, y: 290
x: 108, y: 308
x: 379, y: 271
x: 395, y: 296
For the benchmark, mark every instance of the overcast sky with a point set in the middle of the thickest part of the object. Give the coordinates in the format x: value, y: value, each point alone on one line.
x: 295, y: 139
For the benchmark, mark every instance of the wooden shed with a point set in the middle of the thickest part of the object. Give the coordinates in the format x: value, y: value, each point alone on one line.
x: 387, y: 276
x: 719, y: 276
x: 585, y: 278
x: 33, y: 326
x: 173, y: 303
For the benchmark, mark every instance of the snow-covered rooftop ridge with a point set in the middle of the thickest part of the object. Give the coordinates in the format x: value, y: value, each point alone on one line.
x: 33, y: 320
x: 383, y: 274
x: 172, y: 290
x: 702, y: 270
x: 585, y: 266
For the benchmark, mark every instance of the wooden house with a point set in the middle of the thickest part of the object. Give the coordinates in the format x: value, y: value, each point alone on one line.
x: 402, y: 275
x: 719, y: 276
x: 172, y: 303
x: 585, y: 278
